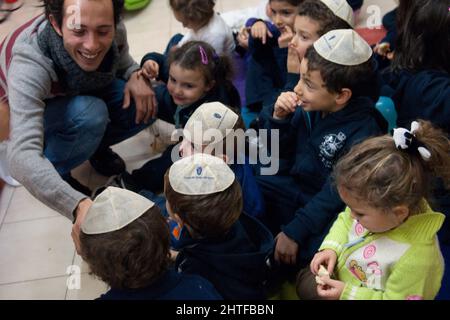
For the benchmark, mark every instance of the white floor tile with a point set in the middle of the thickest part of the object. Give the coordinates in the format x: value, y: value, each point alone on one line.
x: 5, y: 200
x: 43, y: 289
x: 35, y: 249
x: 26, y: 207
x: 90, y: 288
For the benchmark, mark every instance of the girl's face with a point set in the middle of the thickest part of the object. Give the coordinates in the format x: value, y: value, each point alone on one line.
x: 282, y: 14
x: 373, y: 219
x: 306, y: 32
x: 186, y: 86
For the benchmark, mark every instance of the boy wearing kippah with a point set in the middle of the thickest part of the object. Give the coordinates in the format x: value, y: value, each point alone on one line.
x: 217, y: 241
x: 125, y: 241
x: 331, y: 108
x: 216, y: 118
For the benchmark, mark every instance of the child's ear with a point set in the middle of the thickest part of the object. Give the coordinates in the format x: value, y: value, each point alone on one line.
x: 55, y: 25
x: 343, y: 97
x: 402, y: 212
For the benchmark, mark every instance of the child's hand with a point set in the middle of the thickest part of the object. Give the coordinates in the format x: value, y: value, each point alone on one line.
x: 150, y: 70
x: 259, y: 31
x: 293, y: 60
x: 331, y: 290
x: 286, y: 37
x: 382, y: 49
x: 327, y: 258
x: 286, y: 249
x: 242, y: 37
x: 286, y: 104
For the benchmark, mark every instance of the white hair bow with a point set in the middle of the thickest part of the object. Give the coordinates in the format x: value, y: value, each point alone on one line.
x: 406, y: 140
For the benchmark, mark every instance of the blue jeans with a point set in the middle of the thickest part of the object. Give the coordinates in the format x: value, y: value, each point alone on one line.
x: 75, y: 127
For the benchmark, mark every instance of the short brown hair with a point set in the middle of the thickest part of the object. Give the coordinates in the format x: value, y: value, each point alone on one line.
x: 318, y: 11
x: 361, y: 79
x: 132, y: 257
x: 376, y: 172
x: 209, y: 216
x: 199, y: 11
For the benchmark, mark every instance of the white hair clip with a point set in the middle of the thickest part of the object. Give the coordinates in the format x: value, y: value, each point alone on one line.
x: 406, y: 140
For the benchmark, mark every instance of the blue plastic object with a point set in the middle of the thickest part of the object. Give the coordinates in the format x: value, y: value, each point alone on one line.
x: 387, y: 108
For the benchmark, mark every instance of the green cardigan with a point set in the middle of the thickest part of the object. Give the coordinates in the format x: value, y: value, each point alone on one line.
x: 403, y: 263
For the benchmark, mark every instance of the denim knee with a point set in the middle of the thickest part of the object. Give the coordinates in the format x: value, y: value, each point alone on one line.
x: 74, y: 129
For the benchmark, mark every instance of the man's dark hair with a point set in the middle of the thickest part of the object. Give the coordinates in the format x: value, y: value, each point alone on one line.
x: 360, y: 79
x: 132, y: 257
x: 55, y: 8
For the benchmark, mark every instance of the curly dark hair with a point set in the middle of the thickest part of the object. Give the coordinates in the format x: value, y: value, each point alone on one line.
x: 132, y: 257
x: 318, y: 11
x: 199, y: 11
x: 55, y: 8
x: 209, y: 216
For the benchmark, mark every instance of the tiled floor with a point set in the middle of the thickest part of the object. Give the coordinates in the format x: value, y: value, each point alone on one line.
x: 36, y: 250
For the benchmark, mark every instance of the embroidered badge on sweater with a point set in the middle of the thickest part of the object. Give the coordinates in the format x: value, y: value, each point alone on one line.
x: 330, y: 146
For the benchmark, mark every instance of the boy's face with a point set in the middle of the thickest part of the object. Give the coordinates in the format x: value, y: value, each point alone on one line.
x: 282, y: 14
x: 312, y: 92
x: 180, y: 17
x: 306, y: 32
x: 186, y: 86
x: 87, y: 37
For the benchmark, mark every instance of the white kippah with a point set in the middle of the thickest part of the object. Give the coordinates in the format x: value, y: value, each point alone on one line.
x: 200, y: 174
x: 113, y: 209
x: 212, y: 115
x: 341, y: 9
x: 343, y: 46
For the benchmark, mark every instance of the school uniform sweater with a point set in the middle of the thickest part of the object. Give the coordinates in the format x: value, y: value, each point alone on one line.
x: 170, y: 286
x: 404, y: 263
x: 235, y: 263
x: 266, y: 66
x: 311, y: 145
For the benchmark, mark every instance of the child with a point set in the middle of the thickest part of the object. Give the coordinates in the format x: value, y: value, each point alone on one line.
x: 314, y: 19
x: 193, y: 75
x: 125, y: 241
x: 266, y: 70
x: 384, y: 245
x: 216, y: 118
x: 217, y: 241
x: 418, y: 81
x: 331, y: 108
x: 203, y: 24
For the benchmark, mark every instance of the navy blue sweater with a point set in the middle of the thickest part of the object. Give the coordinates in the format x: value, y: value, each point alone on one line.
x: 421, y: 95
x: 311, y: 145
x: 171, y: 286
x: 267, y: 67
x: 235, y: 264
x: 224, y: 92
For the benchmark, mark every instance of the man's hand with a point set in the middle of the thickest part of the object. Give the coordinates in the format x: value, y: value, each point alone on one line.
x: 81, y: 212
x: 260, y: 31
x: 286, y: 249
x: 143, y: 95
x: 286, y: 104
x: 285, y: 37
